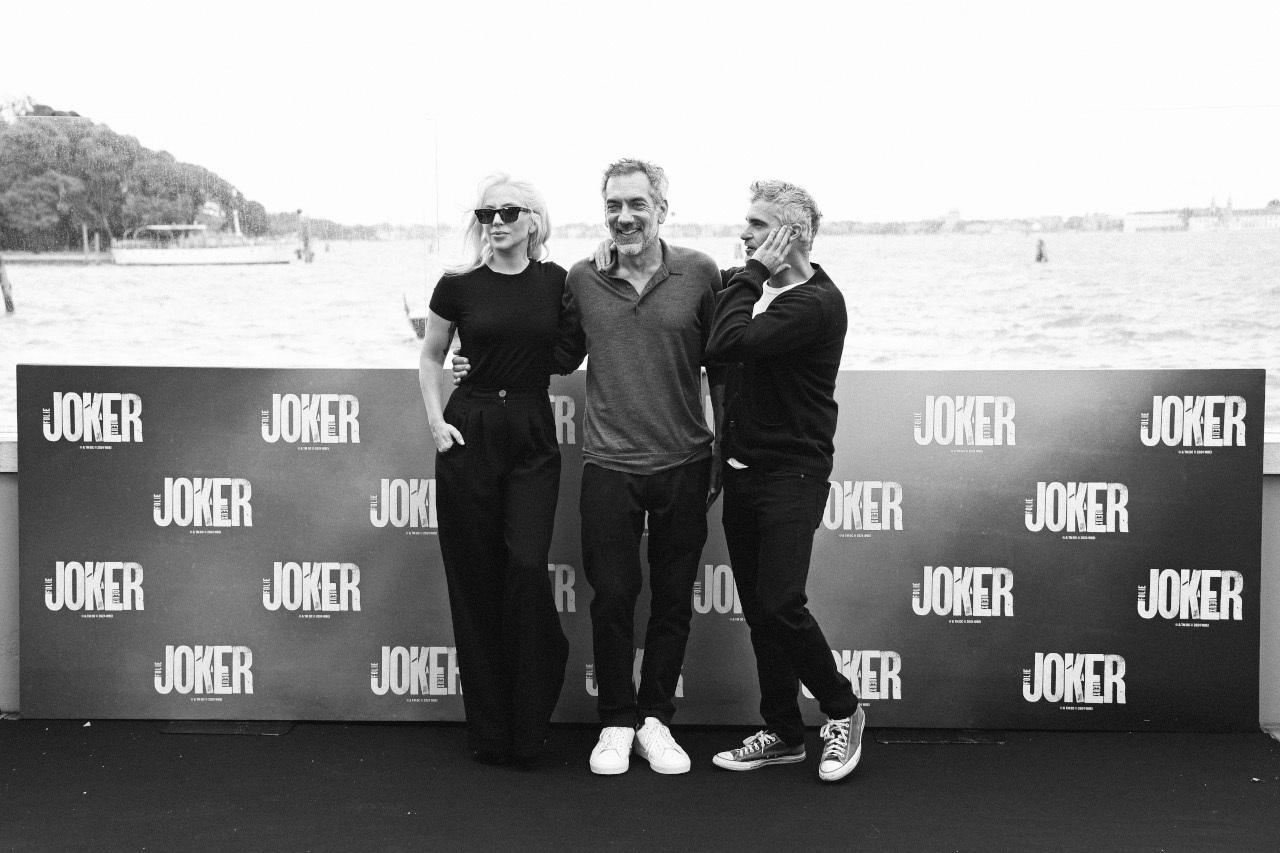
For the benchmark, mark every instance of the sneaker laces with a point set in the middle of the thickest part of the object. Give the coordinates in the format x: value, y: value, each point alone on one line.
x: 836, y: 735
x: 760, y: 740
x: 659, y: 738
x: 615, y: 737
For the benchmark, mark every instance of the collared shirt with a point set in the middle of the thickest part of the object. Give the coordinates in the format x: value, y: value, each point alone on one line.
x: 644, y: 378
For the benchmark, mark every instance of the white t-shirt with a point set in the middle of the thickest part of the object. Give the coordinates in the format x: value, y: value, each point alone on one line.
x: 770, y: 293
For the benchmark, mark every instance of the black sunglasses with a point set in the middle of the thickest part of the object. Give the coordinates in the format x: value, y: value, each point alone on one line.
x: 508, y: 214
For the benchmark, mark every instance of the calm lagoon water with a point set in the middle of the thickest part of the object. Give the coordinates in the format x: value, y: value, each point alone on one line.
x: 1104, y: 300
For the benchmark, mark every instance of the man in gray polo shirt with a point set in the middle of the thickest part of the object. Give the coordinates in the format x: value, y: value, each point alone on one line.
x: 647, y: 452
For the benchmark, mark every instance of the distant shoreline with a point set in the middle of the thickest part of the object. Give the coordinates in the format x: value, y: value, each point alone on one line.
x: 55, y: 258
x: 576, y: 231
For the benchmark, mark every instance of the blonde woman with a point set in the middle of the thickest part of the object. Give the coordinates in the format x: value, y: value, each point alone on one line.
x: 498, y: 469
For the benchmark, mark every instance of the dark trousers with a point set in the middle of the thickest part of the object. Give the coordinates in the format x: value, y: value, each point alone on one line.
x: 496, y: 497
x: 613, y: 507
x: 769, y: 521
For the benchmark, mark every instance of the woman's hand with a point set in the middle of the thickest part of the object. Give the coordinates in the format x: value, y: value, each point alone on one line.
x: 445, y: 436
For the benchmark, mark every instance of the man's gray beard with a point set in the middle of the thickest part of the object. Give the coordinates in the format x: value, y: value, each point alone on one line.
x: 636, y: 248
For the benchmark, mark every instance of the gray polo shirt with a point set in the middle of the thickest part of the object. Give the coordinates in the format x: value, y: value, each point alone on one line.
x: 644, y: 380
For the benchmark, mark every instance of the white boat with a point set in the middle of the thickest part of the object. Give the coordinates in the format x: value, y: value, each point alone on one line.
x: 187, y: 245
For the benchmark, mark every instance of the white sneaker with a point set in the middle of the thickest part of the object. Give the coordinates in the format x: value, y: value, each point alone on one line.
x: 655, y: 744
x: 612, y: 754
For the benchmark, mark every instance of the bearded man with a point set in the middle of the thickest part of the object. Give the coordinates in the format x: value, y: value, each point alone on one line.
x: 647, y: 453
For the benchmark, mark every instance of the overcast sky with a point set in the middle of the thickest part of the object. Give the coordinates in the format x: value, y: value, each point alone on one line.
x: 359, y: 111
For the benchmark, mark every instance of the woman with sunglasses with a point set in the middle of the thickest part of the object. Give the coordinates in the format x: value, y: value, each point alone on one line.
x: 498, y: 469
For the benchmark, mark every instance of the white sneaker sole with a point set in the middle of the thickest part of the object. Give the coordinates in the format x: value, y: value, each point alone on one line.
x: 730, y: 764
x: 609, y: 769
x: 843, y: 770
x: 667, y: 769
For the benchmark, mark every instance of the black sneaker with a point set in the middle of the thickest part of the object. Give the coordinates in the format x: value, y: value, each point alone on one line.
x: 760, y: 750
x: 842, y: 746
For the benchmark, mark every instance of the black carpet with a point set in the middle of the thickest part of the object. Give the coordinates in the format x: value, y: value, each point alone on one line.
x: 126, y: 785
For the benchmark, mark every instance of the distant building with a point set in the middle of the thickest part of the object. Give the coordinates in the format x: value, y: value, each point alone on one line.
x: 1226, y: 218
x: 1156, y: 220
x: 1267, y: 218
x: 1211, y: 218
x: 1099, y: 222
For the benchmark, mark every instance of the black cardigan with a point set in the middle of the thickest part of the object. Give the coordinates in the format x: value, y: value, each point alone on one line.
x: 780, y: 407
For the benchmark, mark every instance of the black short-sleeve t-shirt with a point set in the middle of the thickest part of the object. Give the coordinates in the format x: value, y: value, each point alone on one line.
x: 506, y: 323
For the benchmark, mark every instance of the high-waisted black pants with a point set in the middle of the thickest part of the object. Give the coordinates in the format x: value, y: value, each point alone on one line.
x: 496, y: 497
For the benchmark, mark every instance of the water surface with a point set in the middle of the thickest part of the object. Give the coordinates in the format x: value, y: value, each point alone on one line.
x: 1104, y: 300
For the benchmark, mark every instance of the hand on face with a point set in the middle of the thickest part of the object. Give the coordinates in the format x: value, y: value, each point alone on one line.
x: 773, y: 251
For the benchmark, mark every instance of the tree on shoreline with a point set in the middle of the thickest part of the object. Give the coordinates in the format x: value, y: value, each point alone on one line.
x: 61, y: 173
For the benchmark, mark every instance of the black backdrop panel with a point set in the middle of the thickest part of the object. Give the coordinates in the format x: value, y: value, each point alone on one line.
x: 1050, y: 549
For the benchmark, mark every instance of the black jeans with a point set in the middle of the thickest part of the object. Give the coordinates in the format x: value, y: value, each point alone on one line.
x: 496, y: 497
x: 769, y: 520
x: 613, y: 506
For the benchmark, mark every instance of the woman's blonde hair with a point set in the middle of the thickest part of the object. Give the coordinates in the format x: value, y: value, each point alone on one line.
x: 476, y: 250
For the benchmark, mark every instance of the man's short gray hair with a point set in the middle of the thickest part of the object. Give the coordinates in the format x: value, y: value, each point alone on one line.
x: 795, y: 207
x: 626, y: 166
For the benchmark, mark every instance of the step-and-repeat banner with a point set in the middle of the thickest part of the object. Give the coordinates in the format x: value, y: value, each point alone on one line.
x: 1040, y: 550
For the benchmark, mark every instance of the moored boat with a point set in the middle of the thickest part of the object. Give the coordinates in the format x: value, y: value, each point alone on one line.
x: 188, y: 245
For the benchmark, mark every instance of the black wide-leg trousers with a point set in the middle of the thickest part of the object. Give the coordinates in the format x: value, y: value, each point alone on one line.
x: 769, y: 522
x: 496, y: 502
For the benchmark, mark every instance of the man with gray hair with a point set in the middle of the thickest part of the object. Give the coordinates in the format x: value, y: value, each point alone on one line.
x: 647, y: 453
x: 649, y: 459
x: 780, y: 324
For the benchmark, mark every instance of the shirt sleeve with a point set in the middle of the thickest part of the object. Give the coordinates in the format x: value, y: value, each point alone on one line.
x: 571, y: 341
x: 792, y: 321
x: 725, y: 277
x: 706, y: 318
x: 444, y: 298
